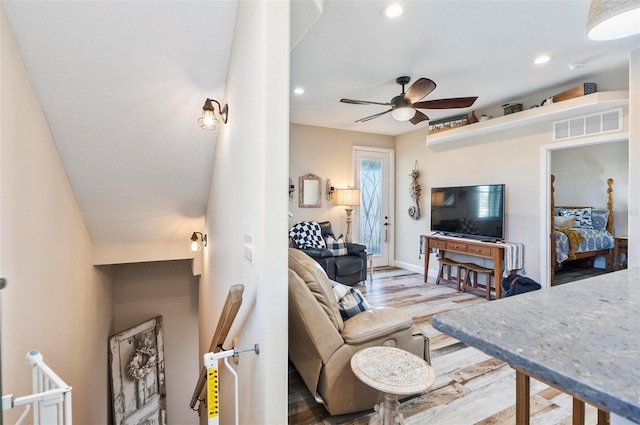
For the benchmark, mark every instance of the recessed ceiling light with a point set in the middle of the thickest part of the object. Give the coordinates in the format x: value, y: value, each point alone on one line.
x: 298, y: 90
x: 542, y: 59
x: 393, y: 10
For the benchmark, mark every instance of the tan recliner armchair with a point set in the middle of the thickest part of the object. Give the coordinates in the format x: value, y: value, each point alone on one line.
x: 321, y: 344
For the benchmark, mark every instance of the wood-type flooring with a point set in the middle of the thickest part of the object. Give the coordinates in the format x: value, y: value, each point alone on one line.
x: 470, y: 387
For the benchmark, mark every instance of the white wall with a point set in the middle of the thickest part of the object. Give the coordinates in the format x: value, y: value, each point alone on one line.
x: 582, y: 173
x: 168, y: 289
x: 56, y: 301
x: 509, y: 157
x: 327, y: 153
x: 247, y: 196
x: 634, y: 158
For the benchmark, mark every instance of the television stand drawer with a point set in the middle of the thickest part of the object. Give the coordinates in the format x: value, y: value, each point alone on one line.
x: 456, y: 246
x: 437, y: 243
x: 480, y: 250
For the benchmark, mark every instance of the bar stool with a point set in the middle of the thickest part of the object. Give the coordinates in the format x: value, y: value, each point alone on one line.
x: 473, y: 284
x: 446, y: 263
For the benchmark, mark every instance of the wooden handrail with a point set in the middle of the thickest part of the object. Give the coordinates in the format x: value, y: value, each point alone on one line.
x: 228, y: 315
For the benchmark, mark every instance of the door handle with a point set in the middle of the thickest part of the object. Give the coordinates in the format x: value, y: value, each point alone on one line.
x: 386, y: 229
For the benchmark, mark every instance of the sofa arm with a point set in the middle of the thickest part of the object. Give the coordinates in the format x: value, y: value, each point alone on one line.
x: 355, y: 248
x: 375, y: 324
x: 317, y: 252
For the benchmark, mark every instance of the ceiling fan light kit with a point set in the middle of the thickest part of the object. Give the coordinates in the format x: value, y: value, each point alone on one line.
x: 613, y: 19
x: 404, y: 107
x: 403, y: 113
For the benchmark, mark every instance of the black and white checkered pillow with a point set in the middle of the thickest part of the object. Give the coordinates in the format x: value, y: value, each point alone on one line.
x: 337, y: 246
x: 307, y: 234
x: 350, y: 300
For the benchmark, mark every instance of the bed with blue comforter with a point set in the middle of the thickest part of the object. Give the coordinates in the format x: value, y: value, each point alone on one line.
x: 581, y: 232
x: 594, y: 240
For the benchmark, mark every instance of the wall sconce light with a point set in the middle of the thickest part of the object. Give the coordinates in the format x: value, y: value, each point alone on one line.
x: 208, y: 120
x: 196, y: 245
x: 330, y: 190
x: 292, y: 189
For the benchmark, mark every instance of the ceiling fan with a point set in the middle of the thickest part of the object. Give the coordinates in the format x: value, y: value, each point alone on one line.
x: 404, y: 106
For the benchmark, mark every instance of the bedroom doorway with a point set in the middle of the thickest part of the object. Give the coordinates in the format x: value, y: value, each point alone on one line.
x: 582, y: 168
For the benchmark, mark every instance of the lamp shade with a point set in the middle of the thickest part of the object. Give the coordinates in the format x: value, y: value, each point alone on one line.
x: 348, y: 197
x: 613, y: 19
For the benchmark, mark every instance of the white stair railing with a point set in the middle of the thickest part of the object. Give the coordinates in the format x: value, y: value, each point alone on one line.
x: 51, y: 398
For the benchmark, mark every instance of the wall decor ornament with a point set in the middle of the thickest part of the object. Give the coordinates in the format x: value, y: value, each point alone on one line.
x: 330, y: 189
x: 292, y: 189
x: 309, y: 191
x: 443, y: 124
x: 414, y: 210
x: 142, y: 363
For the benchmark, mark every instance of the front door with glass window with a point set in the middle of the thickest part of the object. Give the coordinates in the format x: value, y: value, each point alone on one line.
x: 373, y: 176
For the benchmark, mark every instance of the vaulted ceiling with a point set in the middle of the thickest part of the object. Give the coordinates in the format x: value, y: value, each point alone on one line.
x: 122, y: 84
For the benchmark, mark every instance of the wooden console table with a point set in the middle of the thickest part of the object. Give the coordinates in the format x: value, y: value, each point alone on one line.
x: 490, y: 250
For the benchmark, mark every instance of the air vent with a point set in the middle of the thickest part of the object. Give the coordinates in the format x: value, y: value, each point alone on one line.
x: 588, y: 125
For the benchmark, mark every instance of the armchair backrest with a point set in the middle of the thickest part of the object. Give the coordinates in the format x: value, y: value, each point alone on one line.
x: 317, y: 281
x: 326, y: 229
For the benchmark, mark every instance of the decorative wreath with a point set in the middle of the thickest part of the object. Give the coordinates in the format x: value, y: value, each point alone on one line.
x: 142, y: 362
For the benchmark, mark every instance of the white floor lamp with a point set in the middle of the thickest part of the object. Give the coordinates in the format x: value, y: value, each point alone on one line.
x: 348, y: 198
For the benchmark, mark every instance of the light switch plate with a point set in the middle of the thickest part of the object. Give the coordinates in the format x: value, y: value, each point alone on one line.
x: 248, y: 247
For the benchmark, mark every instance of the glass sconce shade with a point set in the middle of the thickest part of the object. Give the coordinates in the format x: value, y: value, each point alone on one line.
x: 208, y: 120
x: 196, y: 243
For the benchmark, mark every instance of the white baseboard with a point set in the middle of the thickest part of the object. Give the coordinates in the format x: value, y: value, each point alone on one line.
x: 415, y: 269
x: 408, y: 266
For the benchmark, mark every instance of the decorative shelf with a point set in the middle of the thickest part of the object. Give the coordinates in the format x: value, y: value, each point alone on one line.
x: 582, y: 105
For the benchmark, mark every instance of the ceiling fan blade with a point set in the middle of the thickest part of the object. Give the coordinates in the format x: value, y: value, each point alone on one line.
x: 363, y: 102
x: 419, y: 89
x: 369, y: 118
x: 418, y: 117
x: 456, y: 102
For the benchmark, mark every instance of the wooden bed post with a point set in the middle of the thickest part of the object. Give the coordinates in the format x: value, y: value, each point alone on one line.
x: 609, y: 256
x: 610, y: 205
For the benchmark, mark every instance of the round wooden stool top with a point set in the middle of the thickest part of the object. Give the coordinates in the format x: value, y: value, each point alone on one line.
x: 392, y: 370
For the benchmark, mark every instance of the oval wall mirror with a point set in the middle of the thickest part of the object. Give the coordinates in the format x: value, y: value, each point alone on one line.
x: 310, y: 191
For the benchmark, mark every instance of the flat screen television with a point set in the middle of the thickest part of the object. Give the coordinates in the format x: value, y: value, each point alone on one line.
x: 475, y: 212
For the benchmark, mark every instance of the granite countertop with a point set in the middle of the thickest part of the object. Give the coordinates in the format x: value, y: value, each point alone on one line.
x: 583, y: 337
